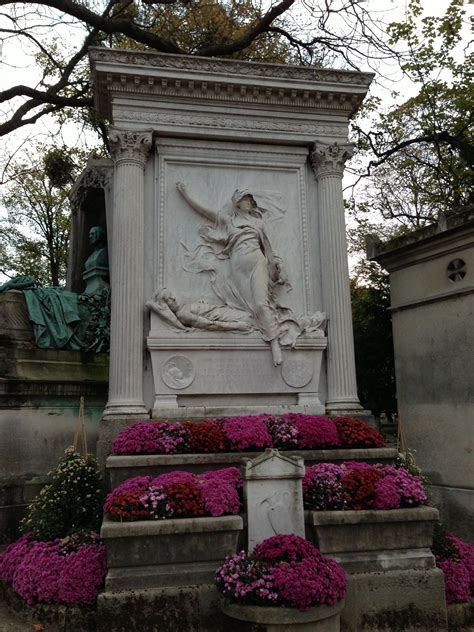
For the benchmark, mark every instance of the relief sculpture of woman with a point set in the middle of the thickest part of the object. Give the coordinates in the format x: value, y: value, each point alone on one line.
x: 255, y: 271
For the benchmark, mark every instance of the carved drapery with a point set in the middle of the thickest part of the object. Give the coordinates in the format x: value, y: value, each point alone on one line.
x: 130, y: 150
x: 328, y: 164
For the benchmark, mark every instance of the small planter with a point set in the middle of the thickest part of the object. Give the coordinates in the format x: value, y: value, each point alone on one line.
x: 387, y: 554
x: 123, y: 467
x: 273, y: 619
x: 375, y: 540
x: 177, y: 552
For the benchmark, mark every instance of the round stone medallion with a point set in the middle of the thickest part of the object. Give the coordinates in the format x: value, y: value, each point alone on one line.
x: 178, y: 372
x: 297, y: 371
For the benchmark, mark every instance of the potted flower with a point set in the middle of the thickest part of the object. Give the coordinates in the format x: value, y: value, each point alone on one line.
x: 285, y: 584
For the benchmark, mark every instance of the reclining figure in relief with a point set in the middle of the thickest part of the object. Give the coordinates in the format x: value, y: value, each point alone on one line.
x: 200, y: 315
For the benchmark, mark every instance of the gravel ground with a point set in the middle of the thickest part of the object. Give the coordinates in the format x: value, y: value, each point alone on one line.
x: 12, y: 623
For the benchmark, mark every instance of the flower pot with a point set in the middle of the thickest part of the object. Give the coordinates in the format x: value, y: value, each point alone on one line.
x: 277, y: 619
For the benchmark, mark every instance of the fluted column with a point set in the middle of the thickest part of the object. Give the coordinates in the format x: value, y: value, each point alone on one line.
x: 130, y: 151
x: 328, y: 163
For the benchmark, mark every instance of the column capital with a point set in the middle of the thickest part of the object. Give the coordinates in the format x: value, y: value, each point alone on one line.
x: 329, y: 160
x: 130, y: 145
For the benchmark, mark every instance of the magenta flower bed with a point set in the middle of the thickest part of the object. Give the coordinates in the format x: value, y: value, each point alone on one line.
x: 456, y: 559
x: 69, y: 571
x: 176, y: 495
x: 284, y: 570
x: 252, y: 433
x: 358, y: 485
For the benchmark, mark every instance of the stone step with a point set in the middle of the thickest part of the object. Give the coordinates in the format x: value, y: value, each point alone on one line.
x: 121, y: 468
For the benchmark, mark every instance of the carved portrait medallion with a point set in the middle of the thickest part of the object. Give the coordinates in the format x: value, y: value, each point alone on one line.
x: 297, y: 371
x: 178, y: 372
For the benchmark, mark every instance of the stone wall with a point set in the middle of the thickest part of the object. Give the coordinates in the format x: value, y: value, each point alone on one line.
x: 39, y: 401
x: 432, y: 303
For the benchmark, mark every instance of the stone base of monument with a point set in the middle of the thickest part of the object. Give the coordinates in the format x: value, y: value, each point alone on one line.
x: 401, y: 601
x: 198, y: 608
x: 393, y: 582
x: 179, y: 552
x: 205, y: 368
x: 192, y: 608
x: 461, y: 616
x: 121, y: 468
x: 318, y: 619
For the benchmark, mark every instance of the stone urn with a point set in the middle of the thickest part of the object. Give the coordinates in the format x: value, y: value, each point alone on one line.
x: 278, y: 619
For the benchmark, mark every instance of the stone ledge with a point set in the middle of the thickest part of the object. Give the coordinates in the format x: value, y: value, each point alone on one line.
x: 114, y: 529
x: 368, y: 516
x: 121, y: 468
x: 376, y: 540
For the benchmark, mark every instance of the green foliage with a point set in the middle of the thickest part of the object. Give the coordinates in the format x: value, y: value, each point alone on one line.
x: 202, y: 24
x: 95, y: 310
x: 424, y: 146
x: 407, y: 461
x: 59, y: 167
x: 69, y: 502
x: 374, y: 346
x: 34, y: 235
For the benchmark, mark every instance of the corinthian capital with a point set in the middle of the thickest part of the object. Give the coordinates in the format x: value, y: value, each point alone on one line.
x: 329, y: 160
x: 130, y: 146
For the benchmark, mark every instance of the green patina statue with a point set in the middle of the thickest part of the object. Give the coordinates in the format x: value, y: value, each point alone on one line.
x: 96, y: 267
x: 18, y: 283
x: 66, y: 320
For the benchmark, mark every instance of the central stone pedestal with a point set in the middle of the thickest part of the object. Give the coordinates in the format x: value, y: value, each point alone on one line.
x: 202, y: 370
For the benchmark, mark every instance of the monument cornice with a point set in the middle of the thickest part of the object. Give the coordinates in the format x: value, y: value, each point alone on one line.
x: 224, y: 81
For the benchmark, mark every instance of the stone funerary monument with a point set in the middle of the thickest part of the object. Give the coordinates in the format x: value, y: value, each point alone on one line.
x: 226, y: 235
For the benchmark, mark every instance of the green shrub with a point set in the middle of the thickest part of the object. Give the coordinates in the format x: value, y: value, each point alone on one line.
x: 70, y: 501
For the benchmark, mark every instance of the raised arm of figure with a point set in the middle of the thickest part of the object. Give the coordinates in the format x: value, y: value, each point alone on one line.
x: 206, y: 212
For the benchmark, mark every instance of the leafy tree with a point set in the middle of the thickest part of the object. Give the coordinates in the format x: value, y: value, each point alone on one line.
x: 250, y: 29
x: 421, y: 152
x: 34, y: 235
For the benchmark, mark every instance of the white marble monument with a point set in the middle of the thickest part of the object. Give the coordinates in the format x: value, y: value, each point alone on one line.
x: 273, y: 496
x: 228, y: 251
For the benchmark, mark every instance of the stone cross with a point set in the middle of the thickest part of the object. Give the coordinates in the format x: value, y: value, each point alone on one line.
x: 273, y: 496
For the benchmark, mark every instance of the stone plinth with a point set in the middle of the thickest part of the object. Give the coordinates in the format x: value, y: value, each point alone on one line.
x: 96, y: 279
x: 121, y: 468
x: 273, y: 496
x: 176, y: 552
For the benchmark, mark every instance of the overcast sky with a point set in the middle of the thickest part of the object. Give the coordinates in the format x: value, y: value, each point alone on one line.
x: 17, y: 67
